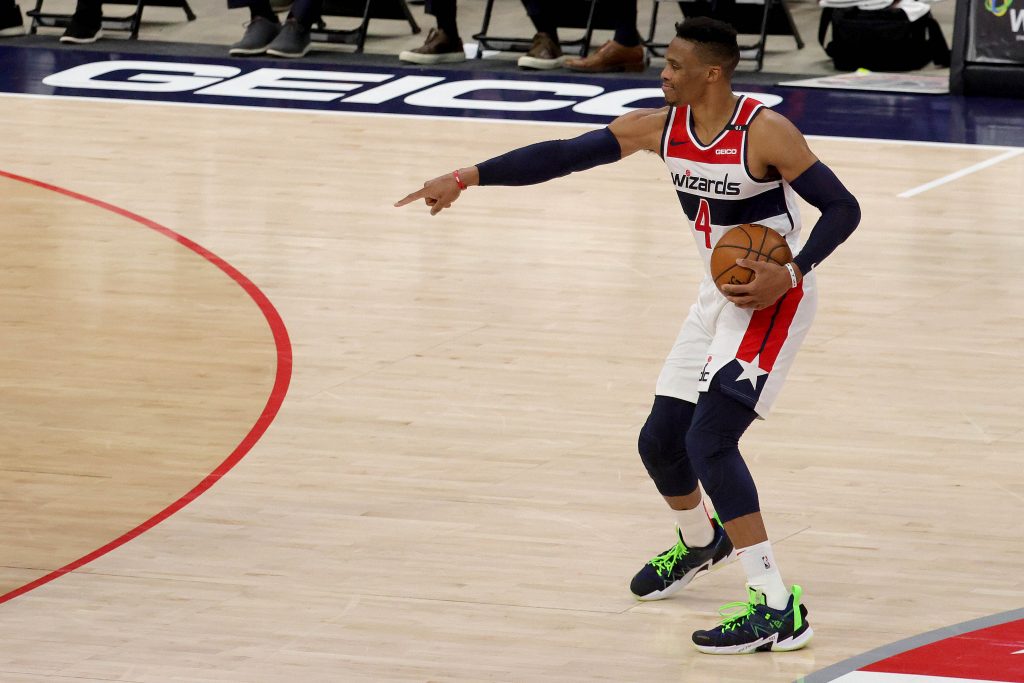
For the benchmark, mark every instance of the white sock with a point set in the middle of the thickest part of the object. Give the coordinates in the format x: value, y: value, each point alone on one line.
x: 763, y: 574
x: 695, y: 527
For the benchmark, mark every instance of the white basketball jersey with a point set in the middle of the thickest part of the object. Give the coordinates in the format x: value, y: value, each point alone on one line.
x: 714, y: 184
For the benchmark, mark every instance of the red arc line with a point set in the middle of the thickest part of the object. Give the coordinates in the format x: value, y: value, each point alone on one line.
x: 270, y: 410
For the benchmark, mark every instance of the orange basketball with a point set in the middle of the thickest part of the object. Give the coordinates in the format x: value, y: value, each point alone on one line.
x: 750, y: 241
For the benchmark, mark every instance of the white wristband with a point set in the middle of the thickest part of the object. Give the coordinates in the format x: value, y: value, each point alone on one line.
x: 792, y: 275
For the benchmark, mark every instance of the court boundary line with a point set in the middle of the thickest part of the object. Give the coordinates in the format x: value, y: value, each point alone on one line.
x: 833, y: 671
x: 282, y: 379
x: 981, y: 165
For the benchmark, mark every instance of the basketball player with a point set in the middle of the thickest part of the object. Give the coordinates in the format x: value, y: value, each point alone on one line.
x: 732, y: 161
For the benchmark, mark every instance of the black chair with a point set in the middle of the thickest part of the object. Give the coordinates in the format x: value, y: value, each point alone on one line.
x: 588, y: 15
x: 128, y: 23
x: 752, y: 17
x: 364, y: 9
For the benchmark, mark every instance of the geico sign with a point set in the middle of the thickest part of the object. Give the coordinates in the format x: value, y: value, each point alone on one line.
x: 352, y: 87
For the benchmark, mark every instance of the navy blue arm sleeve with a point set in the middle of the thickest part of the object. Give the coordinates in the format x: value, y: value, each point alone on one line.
x: 553, y: 159
x: 840, y: 214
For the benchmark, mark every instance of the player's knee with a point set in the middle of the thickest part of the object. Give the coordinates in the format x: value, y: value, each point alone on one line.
x: 662, y: 446
x: 717, y: 426
x: 716, y: 457
x: 708, y: 443
x: 707, y: 448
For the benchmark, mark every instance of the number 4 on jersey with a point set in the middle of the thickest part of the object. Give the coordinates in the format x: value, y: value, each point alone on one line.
x: 702, y: 223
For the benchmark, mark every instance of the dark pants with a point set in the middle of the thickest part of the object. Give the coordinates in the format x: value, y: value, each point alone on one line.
x: 444, y: 12
x: 304, y: 11
x: 683, y: 442
x: 89, y: 12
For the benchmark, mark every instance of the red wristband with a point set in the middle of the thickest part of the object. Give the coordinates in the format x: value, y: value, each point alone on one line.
x: 458, y: 180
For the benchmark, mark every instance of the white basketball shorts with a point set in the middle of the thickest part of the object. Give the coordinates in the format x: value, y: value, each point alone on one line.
x: 750, y: 351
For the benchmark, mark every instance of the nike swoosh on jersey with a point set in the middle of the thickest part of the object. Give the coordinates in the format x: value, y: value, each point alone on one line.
x: 676, y: 143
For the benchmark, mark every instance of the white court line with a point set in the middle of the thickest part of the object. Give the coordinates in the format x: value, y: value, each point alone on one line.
x: 960, y: 174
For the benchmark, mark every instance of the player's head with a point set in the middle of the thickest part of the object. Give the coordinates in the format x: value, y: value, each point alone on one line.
x: 704, y: 53
x: 715, y: 41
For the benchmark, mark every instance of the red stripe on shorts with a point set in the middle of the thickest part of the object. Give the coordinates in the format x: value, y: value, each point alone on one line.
x: 768, y: 330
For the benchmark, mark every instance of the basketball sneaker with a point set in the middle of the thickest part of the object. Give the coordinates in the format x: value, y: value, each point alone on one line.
x: 679, y: 565
x: 753, y: 626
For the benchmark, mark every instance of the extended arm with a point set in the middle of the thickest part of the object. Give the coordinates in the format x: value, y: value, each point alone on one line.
x: 545, y: 161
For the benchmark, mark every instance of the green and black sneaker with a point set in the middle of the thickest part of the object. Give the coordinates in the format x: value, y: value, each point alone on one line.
x: 679, y: 565
x: 753, y: 626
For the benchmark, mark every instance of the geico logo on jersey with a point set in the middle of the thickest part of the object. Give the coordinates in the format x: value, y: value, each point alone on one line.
x: 722, y: 152
x: 689, y: 181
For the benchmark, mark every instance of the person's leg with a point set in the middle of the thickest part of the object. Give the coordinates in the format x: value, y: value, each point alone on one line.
x: 305, y: 12
x: 662, y: 448
x: 443, y: 43
x: 85, y: 23
x: 295, y: 37
x: 712, y: 443
x: 700, y: 545
x: 444, y: 12
x: 626, y: 34
x: 11, y: 21
x: 545, y: 52
x: 262, y: 8
x: 540, y: 15
x: 90, y: 11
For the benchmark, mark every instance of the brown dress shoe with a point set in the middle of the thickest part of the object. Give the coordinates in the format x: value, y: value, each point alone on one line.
x: 438, y: 49
x: 611, y: 57
x: 545, y: 53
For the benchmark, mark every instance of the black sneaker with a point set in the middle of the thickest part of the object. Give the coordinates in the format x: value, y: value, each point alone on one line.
x: 11, y: 23
x: 753, y: 626
x: 679, y: 565
x: 292, y: 41
x: 81, y: 32
x: 437, y: 49
x: 259, y: 33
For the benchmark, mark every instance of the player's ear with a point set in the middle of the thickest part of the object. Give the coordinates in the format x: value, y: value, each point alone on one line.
x: 714, y: 73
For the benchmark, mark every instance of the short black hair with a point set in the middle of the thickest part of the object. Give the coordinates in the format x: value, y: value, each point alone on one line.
x: 716, y: 41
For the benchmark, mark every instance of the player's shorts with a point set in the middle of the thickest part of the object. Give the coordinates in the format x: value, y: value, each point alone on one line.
x: 751, y: 351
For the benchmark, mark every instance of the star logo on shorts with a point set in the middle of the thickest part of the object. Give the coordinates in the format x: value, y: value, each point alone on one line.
x: 751, y: 370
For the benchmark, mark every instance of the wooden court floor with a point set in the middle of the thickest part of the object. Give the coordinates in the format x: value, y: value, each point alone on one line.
x: 450, y: 490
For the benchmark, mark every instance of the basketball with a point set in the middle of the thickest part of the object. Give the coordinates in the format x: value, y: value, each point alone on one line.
x: 750, y: 241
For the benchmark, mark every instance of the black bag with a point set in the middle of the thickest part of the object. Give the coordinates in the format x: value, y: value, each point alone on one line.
x: 882, y: 40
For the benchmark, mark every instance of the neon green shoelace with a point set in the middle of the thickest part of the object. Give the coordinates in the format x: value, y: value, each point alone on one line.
x: 666, y: 562
x: 735, y: 614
